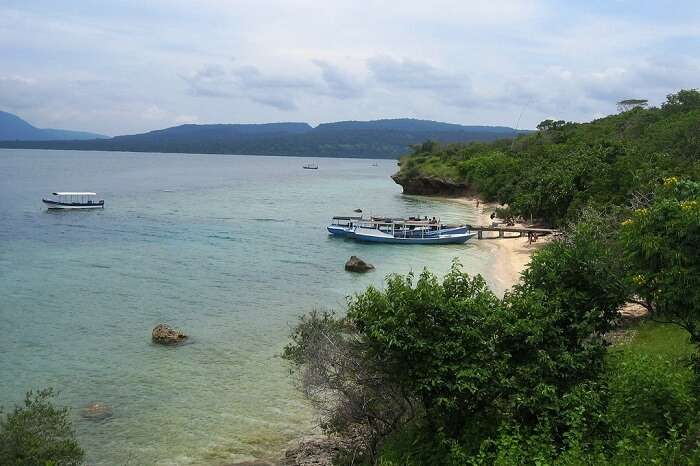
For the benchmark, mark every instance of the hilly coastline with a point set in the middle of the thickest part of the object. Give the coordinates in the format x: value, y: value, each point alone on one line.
x: 389, y: 138
x: 551, y: 174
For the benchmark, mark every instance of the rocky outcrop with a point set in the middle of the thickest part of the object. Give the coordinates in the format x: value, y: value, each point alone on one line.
x: 166, y: 335
x: 429, y: 186
x: 355, y: 264
x: 321, y: 450
x: 316, y: 450
x: 96, y: 411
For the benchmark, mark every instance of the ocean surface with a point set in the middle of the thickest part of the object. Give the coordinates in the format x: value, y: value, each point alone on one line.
x: 231, y: 249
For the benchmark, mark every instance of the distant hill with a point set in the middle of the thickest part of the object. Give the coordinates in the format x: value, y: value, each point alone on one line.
x: 13, y: 128
x: 372, y: 139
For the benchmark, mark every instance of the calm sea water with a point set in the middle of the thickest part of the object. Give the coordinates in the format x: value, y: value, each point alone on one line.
x: 229, y: 248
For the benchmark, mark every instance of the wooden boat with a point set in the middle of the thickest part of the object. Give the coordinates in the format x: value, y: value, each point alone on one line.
x: 398, y: 230
x: 73, y: 200
x: 412, y: 232
x: 343, y: 226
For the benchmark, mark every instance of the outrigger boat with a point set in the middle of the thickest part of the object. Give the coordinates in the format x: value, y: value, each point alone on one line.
x: 412, y: 232
x: 70, y: 200
x: 399, y: 230
x: 343, y: 226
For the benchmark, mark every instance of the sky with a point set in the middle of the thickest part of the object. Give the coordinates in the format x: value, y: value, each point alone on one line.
x: 127, y: 66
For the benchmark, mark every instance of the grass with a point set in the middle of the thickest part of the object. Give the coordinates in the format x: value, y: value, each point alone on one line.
x: 668, y: 341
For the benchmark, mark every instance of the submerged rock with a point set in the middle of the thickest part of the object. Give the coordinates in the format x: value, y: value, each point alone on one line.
x: 97, y: 411
x: 355, y: 264
x: 166, y: 335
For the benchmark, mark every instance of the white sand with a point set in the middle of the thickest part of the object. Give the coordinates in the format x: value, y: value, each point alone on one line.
x: 511, y: 255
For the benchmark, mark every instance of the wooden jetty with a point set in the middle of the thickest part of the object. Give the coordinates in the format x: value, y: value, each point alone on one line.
x: 516, y: 231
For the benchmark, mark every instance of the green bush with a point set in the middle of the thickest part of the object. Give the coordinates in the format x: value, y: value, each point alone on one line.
x: 649, y: 390
x: 38, y: 434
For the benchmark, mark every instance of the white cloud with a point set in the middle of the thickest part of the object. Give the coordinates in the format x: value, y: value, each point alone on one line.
x: 136, y: 66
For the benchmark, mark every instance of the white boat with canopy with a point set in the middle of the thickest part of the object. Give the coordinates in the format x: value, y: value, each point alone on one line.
x: 73, y: 200
x: 399, y: 230
x: 411, y: 232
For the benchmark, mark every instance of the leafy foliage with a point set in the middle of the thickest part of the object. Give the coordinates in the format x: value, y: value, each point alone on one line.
x: 554, y: 173
x: 38, y: 433
x: 662, y: 241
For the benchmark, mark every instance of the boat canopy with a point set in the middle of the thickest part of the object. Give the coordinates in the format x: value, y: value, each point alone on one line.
x: 401, y: 221
x: 74, y: 194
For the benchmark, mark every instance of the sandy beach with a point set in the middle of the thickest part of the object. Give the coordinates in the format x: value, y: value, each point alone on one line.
x: 511, y: 255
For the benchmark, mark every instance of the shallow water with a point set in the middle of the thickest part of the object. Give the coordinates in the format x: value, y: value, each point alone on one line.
x: 229, y: 248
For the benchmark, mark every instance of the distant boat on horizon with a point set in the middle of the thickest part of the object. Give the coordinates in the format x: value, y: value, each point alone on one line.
x: 310, y: 166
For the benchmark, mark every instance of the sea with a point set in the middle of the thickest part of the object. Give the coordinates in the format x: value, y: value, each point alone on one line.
x: 230, y: 249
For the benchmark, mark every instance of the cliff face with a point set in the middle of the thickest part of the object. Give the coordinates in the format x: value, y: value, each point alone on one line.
x: 429, y: 186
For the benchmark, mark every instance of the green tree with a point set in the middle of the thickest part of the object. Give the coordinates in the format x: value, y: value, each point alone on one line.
x: 38, y: 434
x: 438, y: 340
x: 662, y: 243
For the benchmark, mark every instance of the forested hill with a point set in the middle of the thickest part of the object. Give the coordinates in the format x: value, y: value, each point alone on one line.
x: 550, y: 175
x: 371, y: 139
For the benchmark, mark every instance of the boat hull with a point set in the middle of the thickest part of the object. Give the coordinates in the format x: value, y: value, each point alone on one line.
x: 374, y: 236
x: 71, y: 205
x: 335, y: 230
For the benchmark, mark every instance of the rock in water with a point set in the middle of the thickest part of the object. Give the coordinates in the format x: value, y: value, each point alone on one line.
x: 166, y: 335
x: 97, y: 411
x: 355, y: 264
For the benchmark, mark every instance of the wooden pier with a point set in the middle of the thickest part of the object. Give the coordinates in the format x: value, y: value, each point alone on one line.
x: 516, y: 231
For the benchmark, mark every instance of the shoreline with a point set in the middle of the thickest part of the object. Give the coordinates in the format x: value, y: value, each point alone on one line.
x: 511, y: 255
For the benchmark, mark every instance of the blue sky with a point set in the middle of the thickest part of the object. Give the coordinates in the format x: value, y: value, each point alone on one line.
x: 127, y: 66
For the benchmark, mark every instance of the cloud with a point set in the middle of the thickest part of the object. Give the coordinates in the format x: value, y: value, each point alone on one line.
x: 415, y: 75
x: 339, y: 84
x: 275, y: 89
x: 248, y: 82
x: 96, y: 66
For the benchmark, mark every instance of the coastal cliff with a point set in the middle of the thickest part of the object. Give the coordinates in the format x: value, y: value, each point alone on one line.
x: 431, y: 186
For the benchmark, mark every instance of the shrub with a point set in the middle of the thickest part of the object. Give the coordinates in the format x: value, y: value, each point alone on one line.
x: 38, y: 433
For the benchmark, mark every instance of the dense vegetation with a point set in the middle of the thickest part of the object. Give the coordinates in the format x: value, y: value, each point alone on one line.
x: 370, y: 139
x: 552, y: 174
x: 430, y: 371
x: 445, y: 372
x: 38, y: 434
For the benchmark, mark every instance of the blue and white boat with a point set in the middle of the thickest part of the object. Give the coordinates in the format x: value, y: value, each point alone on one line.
x: 412, y: 232
x: 343, y: 226
x: 399, y: 231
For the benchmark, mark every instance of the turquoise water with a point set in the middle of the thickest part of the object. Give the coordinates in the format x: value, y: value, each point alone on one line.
x: 231, y: 249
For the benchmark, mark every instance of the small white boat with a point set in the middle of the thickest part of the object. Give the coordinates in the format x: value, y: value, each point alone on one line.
x: 343, y: 226
x: 310, y: 166
x: 73, y: 200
